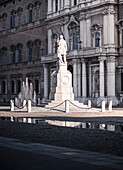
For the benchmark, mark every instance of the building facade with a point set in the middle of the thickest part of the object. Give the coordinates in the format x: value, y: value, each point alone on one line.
x: 28, y: 47
x: 94, y: 34
x: 23, y: 40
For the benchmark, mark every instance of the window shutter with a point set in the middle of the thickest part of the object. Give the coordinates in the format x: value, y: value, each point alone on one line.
x: 11, y: 57
x: 30, y: 54
x: 37, y: 52
x: 10, y: 21
x: 19, y: 19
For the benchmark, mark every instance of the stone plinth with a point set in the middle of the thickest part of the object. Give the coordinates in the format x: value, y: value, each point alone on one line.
x: 64, y: 88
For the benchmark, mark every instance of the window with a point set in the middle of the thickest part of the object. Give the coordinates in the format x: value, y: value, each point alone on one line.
x: 75, y: 2
x: 12, y: 19
x: 75, y: 41
x: 4, y: 24
x: 4, y: 16
x: 28, y: 54
x: 3, y: 87
x: 11, y: 57
x: 97, y: 39
x: 12, y: 86
x: 37, y: 52
x: 4, y: 58
x: 18, y: 86
x: 28, y: 16
x: 17, y: 56
x: 56, y: 5
x: 29, y: 13
x: 37, y: 13
x: 19, y: 19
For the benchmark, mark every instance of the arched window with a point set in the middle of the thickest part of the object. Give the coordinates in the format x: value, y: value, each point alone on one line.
x: 4, y: 52
x: 3, y: 87
x: 12, y: 86
x: 97, y: 39
x: 74, y: 29
x: 12, y: 19
x: 37, y: 43
x: 96, y: 34
x: 29, y: 51
x: 19, y: 16
x: 18, y: 52
x: 12, y: 54
x: 37, y: 10
x: 4, y: 20
x: 29, y: 13
x: 120, y: 29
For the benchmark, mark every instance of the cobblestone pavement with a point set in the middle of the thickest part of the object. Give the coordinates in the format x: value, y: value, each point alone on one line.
x: 92, y: 158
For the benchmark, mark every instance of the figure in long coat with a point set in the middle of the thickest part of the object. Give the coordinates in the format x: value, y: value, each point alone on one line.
x: 62, y: 49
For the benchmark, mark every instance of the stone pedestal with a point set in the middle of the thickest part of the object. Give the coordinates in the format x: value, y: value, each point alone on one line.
x: 64, y: 88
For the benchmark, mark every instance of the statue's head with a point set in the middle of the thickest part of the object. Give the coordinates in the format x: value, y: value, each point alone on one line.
x: 61, y: 36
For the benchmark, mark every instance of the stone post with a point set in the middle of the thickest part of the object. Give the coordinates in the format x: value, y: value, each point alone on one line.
x: 89, y: 103
x: 110, y: 106
x: 29, y: 106
x: 45, y: 81
x: 12, y: 105
x: 24, y: 104
x: 84, y: 83
x: 75, y: 77
x: 66, y: 106
x: 101, y: 78
x: 111, y: 77
x: 90, y: 80
x: 103, y: 106
x: 79, y: 79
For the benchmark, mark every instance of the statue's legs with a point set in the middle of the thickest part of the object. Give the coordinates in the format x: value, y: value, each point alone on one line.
x: 60, y: 58
x: 64, y: 56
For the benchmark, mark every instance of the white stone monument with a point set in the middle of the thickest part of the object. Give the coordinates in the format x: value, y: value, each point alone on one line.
x: 63, y: 89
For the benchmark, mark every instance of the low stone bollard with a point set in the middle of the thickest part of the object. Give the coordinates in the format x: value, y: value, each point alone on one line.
x: 66, y: 106
x: 12, y: 105
x: 24, y: 104
x: 110, y: 106
x: 103, y: 106
x: 29, y: 106
x: 89, y: 103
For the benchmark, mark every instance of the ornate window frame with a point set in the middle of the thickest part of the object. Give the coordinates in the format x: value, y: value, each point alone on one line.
x: 37, y: 10
x: 19, y: 11
x: 96, y: 28
x: 120, y: 29
x: 73, y: 27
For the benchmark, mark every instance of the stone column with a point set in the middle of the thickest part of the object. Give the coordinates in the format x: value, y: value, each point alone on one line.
x: 39, y: 86
x: 90, y: 80
x: 62, y: 4
x: 101, y: 77
x: 84, y: 81
x: 49, y: 41
x: 66, y: 3
x: 75, y: 77
x: 79, y: 79
x: 83, y: 30
x: 45, y: 81
x: 49, y: 6
x: 88, y: 32
x: 111, y: 76
x: 108, y: 26
x: 53, y: 5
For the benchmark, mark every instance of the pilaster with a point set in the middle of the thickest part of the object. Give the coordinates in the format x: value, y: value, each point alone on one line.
x: 84, y: 79
x: 75, y: 77
x: 45, y: 81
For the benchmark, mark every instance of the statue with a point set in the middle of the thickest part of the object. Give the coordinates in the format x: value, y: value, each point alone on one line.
x: 62, y: 48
